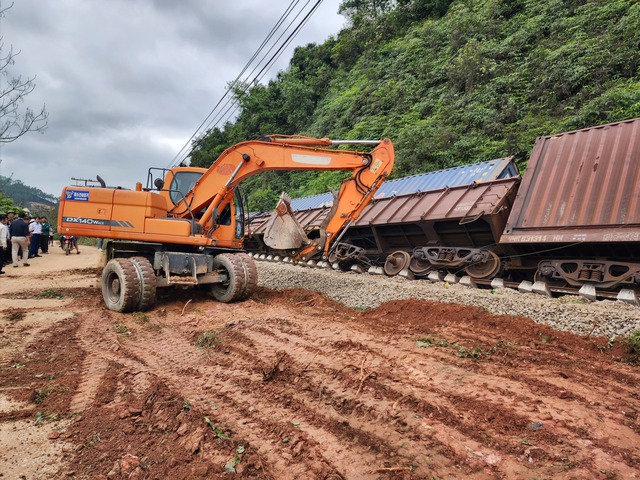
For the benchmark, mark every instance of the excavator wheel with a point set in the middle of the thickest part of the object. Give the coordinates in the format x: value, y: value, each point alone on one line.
x: 147, y: 278
x: 250, y: 272
x: 236, y: 284
x: 120, y: 285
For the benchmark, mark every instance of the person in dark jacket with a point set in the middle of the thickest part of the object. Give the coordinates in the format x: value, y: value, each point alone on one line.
x: 19, y: 232
x: 44, y: 236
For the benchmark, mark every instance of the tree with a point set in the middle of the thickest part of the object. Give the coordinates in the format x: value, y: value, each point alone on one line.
x: 15, y: 121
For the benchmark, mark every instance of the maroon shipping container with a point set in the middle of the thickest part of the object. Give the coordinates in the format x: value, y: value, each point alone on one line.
x: 467, y: 215
x: 580, y: 187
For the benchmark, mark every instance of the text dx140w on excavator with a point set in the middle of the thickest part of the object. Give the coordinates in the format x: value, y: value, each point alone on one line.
x: 186, y: 227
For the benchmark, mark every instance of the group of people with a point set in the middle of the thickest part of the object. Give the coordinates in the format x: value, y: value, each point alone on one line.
x: 23, y: 237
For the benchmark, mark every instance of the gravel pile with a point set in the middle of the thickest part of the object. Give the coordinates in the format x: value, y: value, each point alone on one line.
x: 570, y: 313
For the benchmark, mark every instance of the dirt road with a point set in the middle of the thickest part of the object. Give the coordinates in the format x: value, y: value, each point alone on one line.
x: 293, y: 385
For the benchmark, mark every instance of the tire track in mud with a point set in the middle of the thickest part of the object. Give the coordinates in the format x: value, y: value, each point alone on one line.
x: 512, y: 413
x: 153, y: 354
x: 242, y: 394
x: 379, y: 409
x: 421, y: 407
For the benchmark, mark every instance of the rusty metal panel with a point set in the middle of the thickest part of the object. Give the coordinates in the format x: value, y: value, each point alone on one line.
x: 580, y: 186
x: 309, y: 219
x: 464, y: 203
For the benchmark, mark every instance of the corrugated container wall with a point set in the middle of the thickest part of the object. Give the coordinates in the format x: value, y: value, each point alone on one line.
x: 451, y: 177
x: 580, y: 186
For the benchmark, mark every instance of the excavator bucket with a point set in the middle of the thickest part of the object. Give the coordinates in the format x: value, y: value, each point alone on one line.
x: 282, y: 231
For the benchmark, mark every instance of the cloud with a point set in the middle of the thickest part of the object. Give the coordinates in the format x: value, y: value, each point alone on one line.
x: 127, y: 83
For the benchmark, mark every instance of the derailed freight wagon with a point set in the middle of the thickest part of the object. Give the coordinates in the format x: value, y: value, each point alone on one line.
x: 572, y: 223
x: 414, y: 211
x: 576, y: 218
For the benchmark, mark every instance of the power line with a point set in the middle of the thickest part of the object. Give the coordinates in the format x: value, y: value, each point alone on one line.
x: 222, y: 113
x: 237, y: 79
x: 273, y: 59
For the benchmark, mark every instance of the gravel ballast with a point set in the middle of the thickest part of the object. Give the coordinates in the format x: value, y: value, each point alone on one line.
x: 569, y: 313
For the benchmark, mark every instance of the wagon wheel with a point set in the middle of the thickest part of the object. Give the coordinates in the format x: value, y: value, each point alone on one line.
x: 396, y: 262
x: 486, y: 269
x: 419, y: 265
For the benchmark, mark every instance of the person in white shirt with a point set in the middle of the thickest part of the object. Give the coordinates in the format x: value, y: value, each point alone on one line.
x: 35, y: 229
x: 4, y: 236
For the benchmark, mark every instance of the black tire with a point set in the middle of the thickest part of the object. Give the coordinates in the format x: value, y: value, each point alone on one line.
x: 250, y: 272
x: 148, y: 283
x: 233, y: 288
x: 120, y: 285
x: 67, y: 248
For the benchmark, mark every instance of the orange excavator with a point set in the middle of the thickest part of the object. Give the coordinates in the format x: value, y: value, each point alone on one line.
x: 187, y: 226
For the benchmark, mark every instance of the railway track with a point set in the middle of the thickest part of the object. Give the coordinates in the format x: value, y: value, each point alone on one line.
x: 547, y: 289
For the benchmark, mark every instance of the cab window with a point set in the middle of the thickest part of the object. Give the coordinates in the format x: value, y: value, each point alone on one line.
x: 182, y: 182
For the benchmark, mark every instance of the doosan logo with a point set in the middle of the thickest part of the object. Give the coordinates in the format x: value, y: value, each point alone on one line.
x: 77, y: 195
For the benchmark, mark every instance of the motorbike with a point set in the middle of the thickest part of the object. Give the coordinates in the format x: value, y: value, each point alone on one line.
x: 68, y: 242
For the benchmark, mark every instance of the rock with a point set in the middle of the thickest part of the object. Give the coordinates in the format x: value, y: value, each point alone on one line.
x: 535, y: 426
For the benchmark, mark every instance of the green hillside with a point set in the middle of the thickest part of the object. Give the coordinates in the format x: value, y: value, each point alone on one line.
x: 15, y: 195
x: 450, y: 82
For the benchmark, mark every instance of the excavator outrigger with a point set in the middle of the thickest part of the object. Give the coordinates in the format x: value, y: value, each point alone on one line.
x: 186, y: 227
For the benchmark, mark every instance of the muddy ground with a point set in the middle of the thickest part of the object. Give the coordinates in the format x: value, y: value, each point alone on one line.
x: 294, y: 385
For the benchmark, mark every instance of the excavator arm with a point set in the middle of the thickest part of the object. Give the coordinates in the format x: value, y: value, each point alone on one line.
x: 215, y: 189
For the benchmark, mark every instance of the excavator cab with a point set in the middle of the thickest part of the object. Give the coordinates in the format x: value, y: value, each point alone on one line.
x: 175, y: 185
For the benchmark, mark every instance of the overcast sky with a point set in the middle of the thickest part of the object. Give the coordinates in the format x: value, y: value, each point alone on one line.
x: 127, y: 82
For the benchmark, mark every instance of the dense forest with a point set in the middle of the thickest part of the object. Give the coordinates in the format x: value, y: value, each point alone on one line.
x: 450, y: 82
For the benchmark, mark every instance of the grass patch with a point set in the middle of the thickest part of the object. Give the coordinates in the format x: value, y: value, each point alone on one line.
x: 41, y: 395
x: 207, y: 340
x: 461, y: 351
x: 425, y: 342
x: 121, y: 329
x: 51, y: 293
x: 40, y: 418
x: 140, y: 317
x: 633, y: 345
x: 15, y: 316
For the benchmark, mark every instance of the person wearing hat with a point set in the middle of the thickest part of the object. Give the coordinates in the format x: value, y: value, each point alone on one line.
x: 19, y: 232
